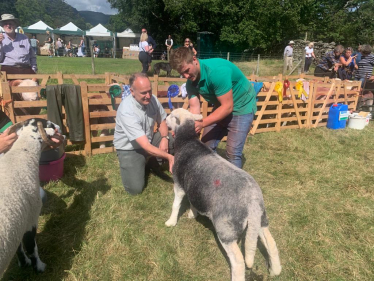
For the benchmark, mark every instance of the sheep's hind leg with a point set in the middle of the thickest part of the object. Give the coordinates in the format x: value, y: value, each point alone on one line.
x: 32, y: 250
x: 271, y: 247
x: 192, y: 213
x: 236, y: 260
x: 23, y: 259
x: 178, y: 196
x: 250, y: 244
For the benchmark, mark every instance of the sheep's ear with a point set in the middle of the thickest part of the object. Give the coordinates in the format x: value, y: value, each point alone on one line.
x: 197, y: 117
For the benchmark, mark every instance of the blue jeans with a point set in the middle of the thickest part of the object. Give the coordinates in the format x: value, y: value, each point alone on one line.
x: 236, y: 128
x: 362, y: 81
x: 35, y: 50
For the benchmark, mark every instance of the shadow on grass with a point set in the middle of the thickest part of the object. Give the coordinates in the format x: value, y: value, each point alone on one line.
x: 64, y: 231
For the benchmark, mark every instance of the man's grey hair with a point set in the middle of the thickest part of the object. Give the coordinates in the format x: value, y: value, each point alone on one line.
x: 339, y: 49
x: 136, y: 76
x: 366, y: 49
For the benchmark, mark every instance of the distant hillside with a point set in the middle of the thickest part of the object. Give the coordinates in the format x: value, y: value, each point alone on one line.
x: 94, y: 18
x: 55, y: 13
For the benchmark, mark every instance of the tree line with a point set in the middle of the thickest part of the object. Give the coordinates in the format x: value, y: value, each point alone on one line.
x: 263, y: 26
x: 260, y: 25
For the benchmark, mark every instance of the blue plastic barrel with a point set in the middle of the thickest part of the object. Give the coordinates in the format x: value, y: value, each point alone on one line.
x: 338, y: 116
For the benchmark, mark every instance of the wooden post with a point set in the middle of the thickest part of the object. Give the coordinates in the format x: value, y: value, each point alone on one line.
x: 295, y: 107
x: 284, y: 64
x: 310, y: 102
x: 107, y: 78
x: 262, y: 110
x: 86, y: 118
x: 258, y: 64
x: 60, y: 78
x: 8, y: 97
x: 92, y: 60
x: 155, y: 85
x: 279, y: 117
x: 228, y: 56
x: 303, y: 62
x: 324, y: 105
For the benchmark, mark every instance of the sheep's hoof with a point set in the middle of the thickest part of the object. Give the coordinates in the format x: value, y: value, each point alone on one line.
x: 275, y: 271
x: 26, y: 263
x: 170, y: 222
x: 40, y: 266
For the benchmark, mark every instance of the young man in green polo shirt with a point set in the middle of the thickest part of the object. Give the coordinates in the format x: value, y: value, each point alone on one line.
x: 222, y: 83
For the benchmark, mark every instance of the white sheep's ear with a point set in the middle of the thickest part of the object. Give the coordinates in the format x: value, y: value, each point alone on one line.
x: 197, y: 117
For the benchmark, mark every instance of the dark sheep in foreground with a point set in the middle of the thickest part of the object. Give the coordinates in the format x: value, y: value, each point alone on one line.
x: 227, y: 195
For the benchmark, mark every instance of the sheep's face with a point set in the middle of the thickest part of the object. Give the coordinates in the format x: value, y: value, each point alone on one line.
x: 178, y: 116
x: 44, y: 128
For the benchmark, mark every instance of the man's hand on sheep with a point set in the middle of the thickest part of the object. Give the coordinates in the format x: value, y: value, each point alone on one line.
x: 57, y: 138
x: 171, y: 163
x: 6, y: 141
x: 164, y: 145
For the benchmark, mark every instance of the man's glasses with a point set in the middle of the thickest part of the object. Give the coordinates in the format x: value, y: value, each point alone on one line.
x: 186, y: 41
x: 144, y: 31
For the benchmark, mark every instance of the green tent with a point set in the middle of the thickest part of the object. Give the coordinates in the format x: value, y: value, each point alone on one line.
x: 39, y: 27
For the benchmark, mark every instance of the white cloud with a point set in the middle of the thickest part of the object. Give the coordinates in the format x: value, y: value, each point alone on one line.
x: 101, y: 6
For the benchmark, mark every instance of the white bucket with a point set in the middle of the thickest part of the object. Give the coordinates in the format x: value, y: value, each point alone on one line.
x: 357, y: 122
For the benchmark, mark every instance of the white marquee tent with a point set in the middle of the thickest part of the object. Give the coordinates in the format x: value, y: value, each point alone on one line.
x: 99, y: 31
x: 127, y: 37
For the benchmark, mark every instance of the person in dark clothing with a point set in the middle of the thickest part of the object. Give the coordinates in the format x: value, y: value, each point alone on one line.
x: 151, y: 44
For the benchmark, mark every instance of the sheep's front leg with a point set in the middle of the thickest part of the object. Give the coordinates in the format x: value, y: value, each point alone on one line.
x: 178, y: 196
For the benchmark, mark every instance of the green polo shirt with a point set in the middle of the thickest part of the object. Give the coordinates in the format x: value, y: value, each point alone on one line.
x: 219, y: 76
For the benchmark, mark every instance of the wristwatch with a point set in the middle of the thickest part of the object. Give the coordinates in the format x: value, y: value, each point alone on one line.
x: 166, y: 137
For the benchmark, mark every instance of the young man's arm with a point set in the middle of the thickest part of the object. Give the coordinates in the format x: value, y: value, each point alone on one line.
x: 226, y: 107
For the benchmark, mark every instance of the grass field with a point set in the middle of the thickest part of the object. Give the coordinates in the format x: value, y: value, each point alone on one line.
x: 126, y: 66
x: 318, y: 191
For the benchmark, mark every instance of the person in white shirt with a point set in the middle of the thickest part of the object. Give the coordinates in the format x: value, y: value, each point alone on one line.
x: 144, y: 52
x: 288, y: 52
x: 169, y: 44
x: 309, y: 56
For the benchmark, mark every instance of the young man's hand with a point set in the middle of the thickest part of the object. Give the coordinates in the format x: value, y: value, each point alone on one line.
x: 198, y: 126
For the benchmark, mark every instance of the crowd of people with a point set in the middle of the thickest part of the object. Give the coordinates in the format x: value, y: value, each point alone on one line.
x: 342, y: 63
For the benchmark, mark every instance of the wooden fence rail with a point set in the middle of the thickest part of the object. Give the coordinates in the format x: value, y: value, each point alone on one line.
x: 272, y: 115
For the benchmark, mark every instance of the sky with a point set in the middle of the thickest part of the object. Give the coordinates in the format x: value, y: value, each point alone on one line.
x: 92, y: 5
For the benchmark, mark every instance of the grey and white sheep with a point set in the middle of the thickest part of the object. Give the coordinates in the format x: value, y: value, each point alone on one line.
x: 227, y: 195
x: 20, y: 201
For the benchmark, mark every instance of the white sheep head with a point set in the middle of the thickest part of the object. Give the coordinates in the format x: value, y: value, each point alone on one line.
x: 178, y: 116
x: 45, y: 128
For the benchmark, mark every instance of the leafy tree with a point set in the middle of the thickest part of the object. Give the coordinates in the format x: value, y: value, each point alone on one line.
x: 8, y: 7
x: 265, y: 25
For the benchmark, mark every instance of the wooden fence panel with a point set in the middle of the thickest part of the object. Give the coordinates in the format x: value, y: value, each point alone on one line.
x: 272, y: 115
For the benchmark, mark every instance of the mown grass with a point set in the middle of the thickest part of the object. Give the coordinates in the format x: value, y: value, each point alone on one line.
x: 318, y: 190
x: 128, y: 66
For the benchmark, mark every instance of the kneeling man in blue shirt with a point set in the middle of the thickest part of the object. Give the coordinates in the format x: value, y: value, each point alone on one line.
x: 134, y: 136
